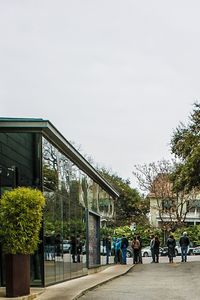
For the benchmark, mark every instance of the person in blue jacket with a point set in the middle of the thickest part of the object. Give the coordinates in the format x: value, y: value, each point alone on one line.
x: 118, y: 251
x: 124, y: 245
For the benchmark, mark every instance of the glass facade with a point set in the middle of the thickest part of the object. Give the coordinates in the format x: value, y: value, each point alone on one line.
x: 20, y: 166
x: 64, y: 217
x: 73, y: 201
x: 76, y: 207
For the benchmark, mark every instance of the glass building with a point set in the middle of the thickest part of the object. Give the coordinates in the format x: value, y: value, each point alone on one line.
x: 79, y: 201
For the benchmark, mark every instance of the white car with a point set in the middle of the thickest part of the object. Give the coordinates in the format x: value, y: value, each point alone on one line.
x: 189, y: 251
x: 146, y: 251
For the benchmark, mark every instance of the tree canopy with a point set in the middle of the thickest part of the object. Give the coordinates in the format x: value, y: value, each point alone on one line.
x: 130, y: 206
x: 185, y: 145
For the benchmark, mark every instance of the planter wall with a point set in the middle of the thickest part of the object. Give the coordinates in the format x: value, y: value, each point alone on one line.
x: 17, y: 275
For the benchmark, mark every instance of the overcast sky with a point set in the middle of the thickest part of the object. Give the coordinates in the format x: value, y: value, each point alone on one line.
x: 114, y: 76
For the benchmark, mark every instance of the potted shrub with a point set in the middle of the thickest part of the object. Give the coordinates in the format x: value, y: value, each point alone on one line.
x: 21, y: 211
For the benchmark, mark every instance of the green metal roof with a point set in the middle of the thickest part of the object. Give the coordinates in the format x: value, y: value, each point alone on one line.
x: 52, y: 134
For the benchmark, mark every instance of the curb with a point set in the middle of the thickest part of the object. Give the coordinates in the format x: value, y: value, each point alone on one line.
x: 31, y: 296
x: 101, y: 283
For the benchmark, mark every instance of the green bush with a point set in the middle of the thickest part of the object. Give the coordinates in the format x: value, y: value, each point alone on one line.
x: 193, y: 233
x: 21, y: 211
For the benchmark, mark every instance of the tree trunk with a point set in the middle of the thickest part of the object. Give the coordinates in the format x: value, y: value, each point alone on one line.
x: 17, y: 275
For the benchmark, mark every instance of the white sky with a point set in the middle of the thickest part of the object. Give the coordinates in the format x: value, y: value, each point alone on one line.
x: 114, y: 76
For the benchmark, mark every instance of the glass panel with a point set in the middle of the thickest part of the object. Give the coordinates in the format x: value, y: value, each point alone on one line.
x: 92, y: 194
x: 77, y: 227
x: 70, y: 192
x: 106, y: 210
x: 49, y: 239
x: 53, y: 215
x: 59, y: 237
x: 64, y: 216
x: 20, y: 166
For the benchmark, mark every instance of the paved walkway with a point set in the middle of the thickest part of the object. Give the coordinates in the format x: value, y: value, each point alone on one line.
x: 73, y: 289
x: 177, y: 281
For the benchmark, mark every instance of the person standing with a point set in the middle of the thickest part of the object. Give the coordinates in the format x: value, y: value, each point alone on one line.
x: 171, y: 244
x: 152, y: 243
x: 118, y: 255
x: 156, y: 248
x: 136, y: 246
x: 184, y: 243
x: 73, y: 248
x: 78, y: 248
x: 124, y: 245
x: 108, y: 248
x: 140, y: 249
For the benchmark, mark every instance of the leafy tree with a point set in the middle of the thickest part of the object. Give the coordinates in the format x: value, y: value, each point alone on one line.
x: 50, y: 177
x: 185, y: 144
x: 130, y: 207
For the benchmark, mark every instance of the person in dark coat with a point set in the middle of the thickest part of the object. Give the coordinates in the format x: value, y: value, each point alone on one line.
x: 140, y: 249
x: 171, y: 244
x: 184, y: 243
x: 152, y: 242
x: 73, y: 248
x: 156, y: 248
x: 78, y: 248
x: 58, y: 245
x: 136, y: 247
x: 107, y: 244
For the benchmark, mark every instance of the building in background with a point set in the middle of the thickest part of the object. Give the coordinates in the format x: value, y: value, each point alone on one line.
x: 170, y: 209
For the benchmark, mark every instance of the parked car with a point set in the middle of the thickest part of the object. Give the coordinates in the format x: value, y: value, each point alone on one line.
x: 146, y: 251
x: 164, y: 251
x: 189, y: 252
x: 66, y: 246
x: 196, y: 250
x: 129, y: 252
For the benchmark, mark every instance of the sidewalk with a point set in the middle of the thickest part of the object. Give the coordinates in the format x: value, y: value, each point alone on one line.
x: 73, y: 289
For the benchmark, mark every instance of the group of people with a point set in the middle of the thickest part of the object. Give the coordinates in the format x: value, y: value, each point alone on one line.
x: 121, y: 245
x: 171, y: 245
x: 184, y: 243
x: 120, y: 249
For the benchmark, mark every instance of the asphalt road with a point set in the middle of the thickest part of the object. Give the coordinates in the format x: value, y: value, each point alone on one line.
x: 177, y: 281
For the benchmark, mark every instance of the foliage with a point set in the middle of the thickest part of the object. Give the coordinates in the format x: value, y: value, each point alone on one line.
x: 130, y: 207
x: 123, y: 230
x: 106, y: 232
x: 21, y: 212
x: 145, y: 231
x: 185, y: 144
x: 193, y: 233
x: 50, y: 178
